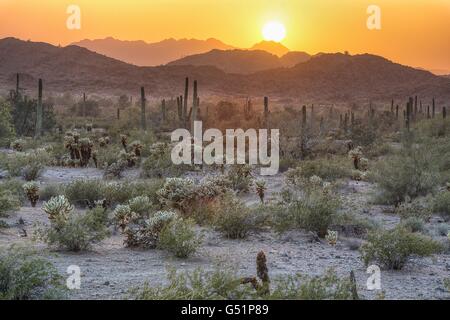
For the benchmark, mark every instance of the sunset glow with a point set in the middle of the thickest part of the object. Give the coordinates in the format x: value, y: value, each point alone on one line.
x: 413, y: 32
x: 274, y: 31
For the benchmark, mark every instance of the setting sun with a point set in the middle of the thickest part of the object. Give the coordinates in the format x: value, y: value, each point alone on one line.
x: 274, y: 31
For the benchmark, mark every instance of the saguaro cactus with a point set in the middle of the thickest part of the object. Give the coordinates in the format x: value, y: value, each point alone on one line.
x: 194, y: 106
x: 143, y: 104
x: 266, y: 112
x: 186, y: 96
x: 408, y: 114
x: 39, y: 111
x: 444, y: 112
x: 304, y: 117
x: 84, y: 105
x: 433, y: 110
x: 163, y: 110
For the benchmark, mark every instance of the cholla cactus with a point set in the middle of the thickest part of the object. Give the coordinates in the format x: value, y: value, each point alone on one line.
x: 58, y: 207
x: 356, y: 155
x: 32, y: 191
x: 141, y: 204
x: 177, y: 192
x: 331, y: 237
x: 129, y: 157
x: 123, y: 215
x: 17, y: 145
x: 153, y: 226
x: 124, y: 141
x: 262, y: 272
x: 71, y: 141
x: 137, y: 148
x: 85, y: 146
x: 102, y: 142
x: 260, y: 186
x: 364, y: 164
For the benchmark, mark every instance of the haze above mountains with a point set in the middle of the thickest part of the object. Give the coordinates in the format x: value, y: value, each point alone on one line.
x: 239, y: 73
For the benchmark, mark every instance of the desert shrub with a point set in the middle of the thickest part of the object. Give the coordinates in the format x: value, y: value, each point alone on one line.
x: 223, y: 283
x: 416, y: 208
x: 410, y: 173
x: 72, y: 231
x: 325, y: 287
x: 441, y: 204
x: 443, y: 229
x: 14, y: 186
x: 185, y: 195
x: 8, y: 202
x: 327, y: 169
x: 145, y: 233
x: 413, y: 224
x: 159, y: 163
x: 50, y: 190
x: 28, y: 164
x: 179, y: 238
x: 353, y: 225
x: 393, y: 248
x: 196, y: 285
x: 115, y: 170
x: 83, y: 191
x: 240, y: 177
x: 7, y: 131
x: 32, y: 171
x: 141, y: 205
x: 312, y: 210
x: 108, y: 155
x: 25, y: 276
x: 234, y: 219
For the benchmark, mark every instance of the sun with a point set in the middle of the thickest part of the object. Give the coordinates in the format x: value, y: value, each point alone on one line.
x: 274, y: 31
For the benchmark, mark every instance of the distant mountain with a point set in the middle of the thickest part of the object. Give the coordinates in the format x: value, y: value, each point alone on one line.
x: 242, y: 61
x: 272, y: 47
x: 325, y: 78
x: 141, y: 53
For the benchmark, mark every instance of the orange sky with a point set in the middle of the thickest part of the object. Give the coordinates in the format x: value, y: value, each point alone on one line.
x: 414, y: 32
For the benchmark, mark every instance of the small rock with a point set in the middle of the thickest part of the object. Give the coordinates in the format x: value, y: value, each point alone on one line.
x: 107, y: 283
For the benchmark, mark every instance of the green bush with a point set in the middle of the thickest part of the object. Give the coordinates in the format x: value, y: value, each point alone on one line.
x: 25, y: 276
x: 313, y: 210
x: 14, y: 186
x: 81, y: 191
x: 393, y: 248
x: 413, y: 224
x: 179, y: 238
x: 327, y: 169
x: 441, y: 204
x: 7, y: 132
x: 50, y: 190
x: 224, y: 284
x: 27, y: 164
x: 416, y: 208
x: 8, y: 202
x: 159, y: 163
x: 196, y: 285
x: 240, y: 177
x: 32, y: 171
x: 234, y: 219
x: 409, y: 174
x: 72, y: 231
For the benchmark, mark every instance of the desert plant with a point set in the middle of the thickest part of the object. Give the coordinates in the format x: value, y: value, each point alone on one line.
x: 260, y: 186
x: 179, y: 238
x: 32, y: 171
x: 8, y: 202
x: 159, y: 163
x: 234, y: 219
x: 441, y: 204
x: 32, y: 191
x: 241, y: 178
x: 177, y: 193
x: 50, y: 190
x: 417, y: 208
x: 410, y: 173
x: 18, y: 145
x: 7, y: 131
x: 262, y: 286
x: 327, y: 169
x: 83, y: 191
x: 393, y: 248
x: 75, y: 232
x: 25, y: 276
x: 413, y: 224
x: 58, y: 208
x: 331, y: 237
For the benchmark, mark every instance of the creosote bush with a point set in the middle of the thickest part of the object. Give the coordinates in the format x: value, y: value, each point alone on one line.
x: 25, y: 276
x: 8, y: 202
x: 179, y: 238
x: 234, y: 219
x: 441, y: 204
x: 392, y: 249
x: 409, y: 174
x: 327, y: 169
x: 224, y: 284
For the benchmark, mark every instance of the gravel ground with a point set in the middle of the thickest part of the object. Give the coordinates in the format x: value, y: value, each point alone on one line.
x: 110, y: 270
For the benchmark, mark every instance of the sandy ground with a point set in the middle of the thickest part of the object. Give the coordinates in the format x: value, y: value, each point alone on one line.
x: 110, y: 270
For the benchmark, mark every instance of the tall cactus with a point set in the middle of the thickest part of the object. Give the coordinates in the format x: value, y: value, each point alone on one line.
x: 17, y: 85
x: 408, y: 114
x: 303, y: 117
x: 185, y: 105
x: 84, y: 105
x: 163, y: 110
x: 444, y: 112
x: 433, y: 110
x: 396, y: 112
x: 266, y: 112
x: 143, y: 104
x: 39, y: 111
x: 194, y: 106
